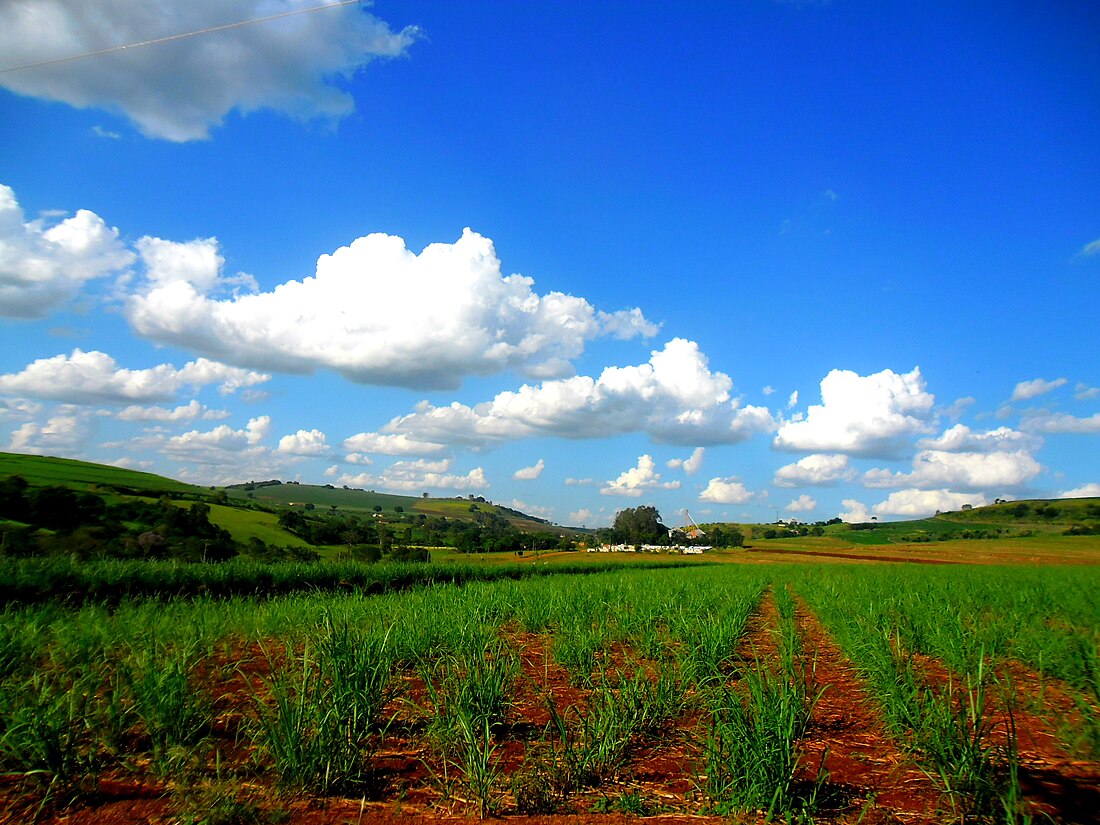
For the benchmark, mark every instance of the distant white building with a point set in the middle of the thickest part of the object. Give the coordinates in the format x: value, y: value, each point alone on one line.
x: 681, y: 549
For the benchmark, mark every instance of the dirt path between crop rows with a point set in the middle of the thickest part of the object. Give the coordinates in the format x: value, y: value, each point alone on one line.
x: 866, y: 770
x: 861, y: 773
x: 1056, y: 785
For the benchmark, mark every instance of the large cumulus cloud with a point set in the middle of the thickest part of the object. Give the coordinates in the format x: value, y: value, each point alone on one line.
x: 177, y: 90
x: 861, y: 415
x: 96, y: 378
x: 43, y: 265
x: 674, y: 397
x: 377, y: 313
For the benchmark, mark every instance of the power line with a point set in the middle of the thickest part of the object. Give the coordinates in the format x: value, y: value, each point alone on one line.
x: 171, y: 37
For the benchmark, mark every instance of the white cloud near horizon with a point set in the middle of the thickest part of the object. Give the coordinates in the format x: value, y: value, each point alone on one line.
x: 815, y: 471
x: 530, y: 473
x: 419, y: 475
x: 96, y: 378
x: 912, y: 503
x: 42, y: 265
x: 730, y: 490
x: 62, y: 434
x: 583, y: 516
x: 675, y: 398
x: 960, y: 471
x: 1026, y: 390
x: 377, y: 313
x: 178, y: 90
x: 637, y: 480
x: 869, y: 415
x: 1090, y: 490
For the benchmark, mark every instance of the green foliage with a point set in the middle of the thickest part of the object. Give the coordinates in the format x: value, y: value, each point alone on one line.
x: 175, y: 717
x: 751, y: 750
x: 44, y: 471
x: 43, y: 728
x: 639, y: 525
x: 326, y: 708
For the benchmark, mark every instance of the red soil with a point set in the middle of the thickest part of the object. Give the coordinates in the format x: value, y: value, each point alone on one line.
x: 868, y: 778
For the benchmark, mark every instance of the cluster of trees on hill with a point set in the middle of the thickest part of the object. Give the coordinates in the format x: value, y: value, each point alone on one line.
x: 642, y: 525
x: 370, y: 538
x: 57, y: 520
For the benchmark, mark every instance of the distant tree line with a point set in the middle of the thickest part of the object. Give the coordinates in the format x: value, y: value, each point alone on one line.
x: 371, y: 538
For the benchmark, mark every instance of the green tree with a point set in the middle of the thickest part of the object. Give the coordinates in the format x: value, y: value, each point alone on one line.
x: 640, y: 525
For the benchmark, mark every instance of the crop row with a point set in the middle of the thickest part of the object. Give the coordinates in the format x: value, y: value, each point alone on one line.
x: 529, y: 695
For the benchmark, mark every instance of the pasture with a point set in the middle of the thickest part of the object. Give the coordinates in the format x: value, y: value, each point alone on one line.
x: 42, y: 471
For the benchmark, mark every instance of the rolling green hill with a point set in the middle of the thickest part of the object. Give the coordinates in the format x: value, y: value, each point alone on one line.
x: 356, y: 501
x: 40, y: 471
x: 1004, y: 520
x: 45, y: 470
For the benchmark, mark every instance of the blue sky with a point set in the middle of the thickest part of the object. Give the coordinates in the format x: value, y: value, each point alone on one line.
x: 748, y: 258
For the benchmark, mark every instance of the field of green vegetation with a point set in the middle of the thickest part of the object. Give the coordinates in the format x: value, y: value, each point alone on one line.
x: 245, y: 655
x: 42, y: 470
x: 700, y: 690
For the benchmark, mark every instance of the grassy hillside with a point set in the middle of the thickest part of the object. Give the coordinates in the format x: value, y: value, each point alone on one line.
x: 46, y: 470
x: 243, y: 521
x: 1006, y: 521
x: 244, y: 524
x: 1036, y: 513
x: 320, y: 496
x: 360, y: 502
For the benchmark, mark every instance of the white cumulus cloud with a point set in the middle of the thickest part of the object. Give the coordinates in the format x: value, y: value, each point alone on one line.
x: 532, y: 509
x: 815, y: 471
x: 861, y: 415
x: 726, y: 491
x: 42, y: 266
x: 583, y: 516
x: 962, y: 438
x: 191, y: 411
x: 910, y: 504
x: 1090, y: 490
x: 1036, y: 387
x: 419, y: 475
x: 178, y: 90
x: 802, y: 504
x: 397, y: 445
x: 221, y: 445
x: 1048, y: 422
x: 690, y: 465
x: 529, y: 473
x: 675, y: 398
x: 637, y: 480
x: 96, y: 378
x: 377, y: 313
x: 304, y: 443
x: 965, y: 471
x: 926, y: 502
x: 62, y: 435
